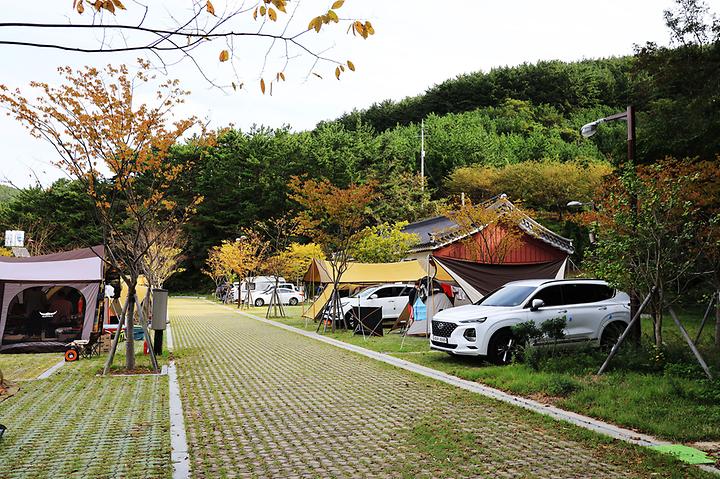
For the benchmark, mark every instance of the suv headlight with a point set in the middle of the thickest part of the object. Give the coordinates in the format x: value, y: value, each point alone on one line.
x: 472, y: 321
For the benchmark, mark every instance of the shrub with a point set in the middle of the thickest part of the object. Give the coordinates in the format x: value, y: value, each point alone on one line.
x: 527, y: 334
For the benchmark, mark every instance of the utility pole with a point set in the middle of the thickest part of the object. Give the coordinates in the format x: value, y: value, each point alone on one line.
x: 422, y: 155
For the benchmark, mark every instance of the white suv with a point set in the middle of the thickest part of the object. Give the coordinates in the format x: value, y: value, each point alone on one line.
x: 593, y: 312
x: 392, y: 298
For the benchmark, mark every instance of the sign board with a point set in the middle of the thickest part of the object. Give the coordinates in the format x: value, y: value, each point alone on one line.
x: 14, y: 239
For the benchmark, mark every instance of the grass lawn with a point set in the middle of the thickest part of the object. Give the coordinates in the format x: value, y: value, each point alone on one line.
x: 663, y: 394
x: 78, y: 424
x: 18, y: 367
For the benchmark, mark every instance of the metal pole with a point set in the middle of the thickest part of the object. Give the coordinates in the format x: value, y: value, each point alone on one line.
x: 631, y: 137
x: 697, y: 354
x: 625, y: 333
x: 422, y: 155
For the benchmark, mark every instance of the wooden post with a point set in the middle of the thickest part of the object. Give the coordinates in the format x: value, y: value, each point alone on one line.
x: 695, y: 351
x: 113, y: 347
x: 717, y: 320
x: 627, y: 331
x: 146, y: 332
x: 705, y: 317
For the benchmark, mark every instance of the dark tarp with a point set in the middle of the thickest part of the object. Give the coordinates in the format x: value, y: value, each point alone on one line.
x: 489, y: 277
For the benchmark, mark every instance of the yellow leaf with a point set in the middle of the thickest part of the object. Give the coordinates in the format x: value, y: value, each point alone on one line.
x: 315, y: 23
x: 369, y: 28
x: 255, y: 14
x: 280, y: 4
x: 282, y: 76
x: 224, y: 56
x: 351, y: 65
x: 109, y: 7
x: 338, y: 4
x: 80, y: 7
x: 333, y: 16
x: 272, y: 14
x: 263, y: 10
x: 262, y: 85
x: 210, y: 8
x: 337, y: 72
x: 119, y: 4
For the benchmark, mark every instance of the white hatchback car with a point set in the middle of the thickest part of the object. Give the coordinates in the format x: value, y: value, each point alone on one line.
x: 593, y: 312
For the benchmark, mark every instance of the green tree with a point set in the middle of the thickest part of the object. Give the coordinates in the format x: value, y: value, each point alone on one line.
x: 55, y: 218
x: 657, y: 244
x: 384, y: 243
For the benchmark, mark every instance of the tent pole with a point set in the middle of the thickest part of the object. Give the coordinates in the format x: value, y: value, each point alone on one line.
x: 113, y: 347
x: 432, y: 298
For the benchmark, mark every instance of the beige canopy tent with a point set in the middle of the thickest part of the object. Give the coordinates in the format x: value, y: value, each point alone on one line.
x: 321, y: 272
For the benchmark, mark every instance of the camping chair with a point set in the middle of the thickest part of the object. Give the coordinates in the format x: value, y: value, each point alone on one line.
x: 83, y: 348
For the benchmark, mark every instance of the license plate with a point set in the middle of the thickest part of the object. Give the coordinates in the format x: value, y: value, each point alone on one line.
x: 440, y: 339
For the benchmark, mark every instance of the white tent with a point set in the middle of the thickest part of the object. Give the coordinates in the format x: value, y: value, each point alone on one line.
x: 46, y: 301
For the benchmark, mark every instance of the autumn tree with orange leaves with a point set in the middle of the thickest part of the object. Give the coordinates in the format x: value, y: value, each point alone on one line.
x: 117, y: 147
x: 487, y: 231
x: 201, y: 32
x: 334, y: 218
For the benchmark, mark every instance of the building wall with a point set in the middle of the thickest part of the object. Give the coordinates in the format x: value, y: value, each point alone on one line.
x: 529, y: 250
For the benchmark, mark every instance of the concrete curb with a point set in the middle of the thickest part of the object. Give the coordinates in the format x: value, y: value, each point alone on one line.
x: 179, y: 455
x: 49, y: 372
x: 585, y: 422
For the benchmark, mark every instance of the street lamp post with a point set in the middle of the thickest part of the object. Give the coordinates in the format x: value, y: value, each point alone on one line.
x: 589, y: 130
x: 577, y: 205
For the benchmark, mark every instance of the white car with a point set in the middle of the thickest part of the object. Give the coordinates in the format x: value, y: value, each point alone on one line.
x: 392, y: 298
x: 287, y: 292
x: 593, y: 312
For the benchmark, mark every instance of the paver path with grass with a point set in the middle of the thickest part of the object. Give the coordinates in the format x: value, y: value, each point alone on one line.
x: 260, y: 401
x: 76, y: 424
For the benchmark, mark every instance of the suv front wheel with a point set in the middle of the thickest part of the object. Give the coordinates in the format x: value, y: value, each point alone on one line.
x: 500, y: 347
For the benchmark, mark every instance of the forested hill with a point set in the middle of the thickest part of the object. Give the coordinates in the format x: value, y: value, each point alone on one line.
x: 565, y: 86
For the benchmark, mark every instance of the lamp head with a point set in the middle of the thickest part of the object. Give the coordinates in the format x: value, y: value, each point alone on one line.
x: 575, y: 204
x: 590, y: 129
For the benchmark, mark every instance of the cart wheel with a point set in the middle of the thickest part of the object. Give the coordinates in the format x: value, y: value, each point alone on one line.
x: 71, y: 355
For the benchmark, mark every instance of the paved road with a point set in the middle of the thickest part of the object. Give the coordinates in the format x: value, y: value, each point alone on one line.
x: 263, y: 402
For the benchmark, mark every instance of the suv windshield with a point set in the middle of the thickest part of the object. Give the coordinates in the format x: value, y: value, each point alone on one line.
x: 364, y: 293
x: 507, y: 296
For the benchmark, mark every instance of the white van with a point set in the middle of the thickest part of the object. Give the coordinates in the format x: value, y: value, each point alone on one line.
x: 257, y: 283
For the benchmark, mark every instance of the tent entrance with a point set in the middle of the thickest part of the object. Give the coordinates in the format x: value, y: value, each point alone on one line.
x: 53, y: 314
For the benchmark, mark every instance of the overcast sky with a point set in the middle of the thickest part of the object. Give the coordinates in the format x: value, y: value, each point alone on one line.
x: 418, y: 44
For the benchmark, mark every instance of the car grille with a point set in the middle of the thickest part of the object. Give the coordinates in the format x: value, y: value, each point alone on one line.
x: 440, y: 328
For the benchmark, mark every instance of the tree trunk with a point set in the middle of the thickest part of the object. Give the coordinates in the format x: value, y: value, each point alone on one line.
x: 717, y: 319
x: 129, y: 323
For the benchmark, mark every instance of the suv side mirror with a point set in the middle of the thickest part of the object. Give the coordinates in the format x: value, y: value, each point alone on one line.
x: 536, y: 304
x: 373, y: 296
